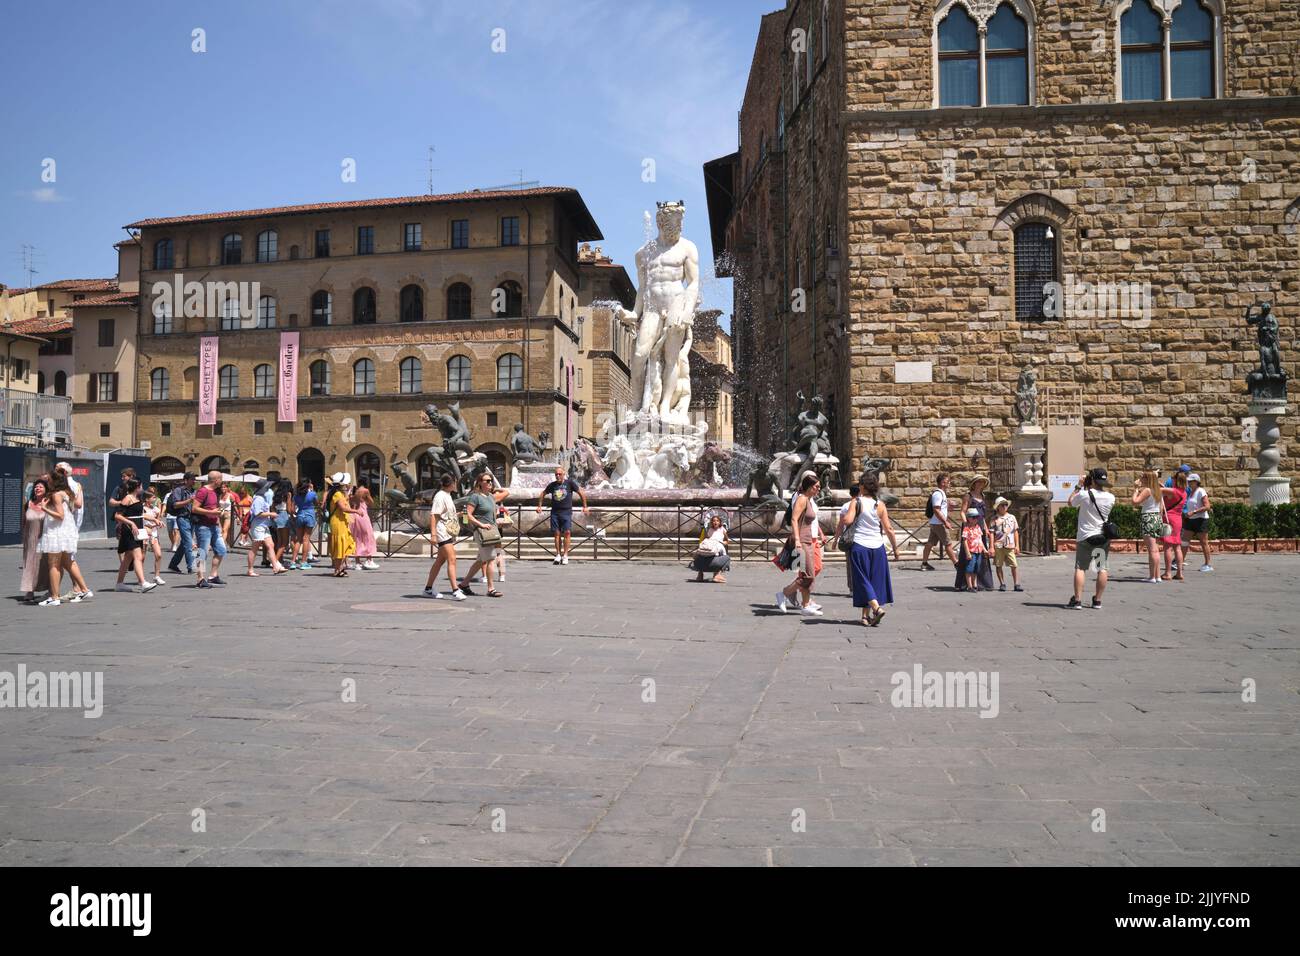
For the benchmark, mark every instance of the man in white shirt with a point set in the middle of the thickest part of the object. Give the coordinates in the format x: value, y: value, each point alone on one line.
x: 80, y: 592
x: 1091, y: 548
x: 939, y: 526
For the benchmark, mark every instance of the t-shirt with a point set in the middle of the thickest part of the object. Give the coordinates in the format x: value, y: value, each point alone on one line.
x: 305, y: 502
x: 1195, y: 499
x: 939, y: 503
x: 484, y: 508
x: 177, y: 505
x: 261, y: 514
x: 1004, y: 529
x: 206, y: 498
x: 444, y: 506
x: 973, y: 535
x: 560, y: 496
x: 1090, y: 518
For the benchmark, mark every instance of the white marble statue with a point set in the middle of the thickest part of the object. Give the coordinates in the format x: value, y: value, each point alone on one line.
x: 668, y: 293
x: 664, y: 468
x: 620, y: 462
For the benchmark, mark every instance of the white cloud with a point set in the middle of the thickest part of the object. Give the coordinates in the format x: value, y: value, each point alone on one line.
x: 44, y: 194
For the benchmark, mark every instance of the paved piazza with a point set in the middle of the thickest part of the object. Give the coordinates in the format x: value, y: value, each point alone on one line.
x: 771, y: 740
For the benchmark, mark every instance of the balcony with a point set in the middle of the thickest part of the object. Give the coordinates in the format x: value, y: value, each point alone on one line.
x: 44, y: 419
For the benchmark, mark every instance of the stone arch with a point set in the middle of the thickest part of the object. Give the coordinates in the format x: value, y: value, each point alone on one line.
x: 499, y: 460
x: 367, y: 464
x: 395, y: 294
x: 1033, y: 207
x: 447, y: 283
x: 981, y: 11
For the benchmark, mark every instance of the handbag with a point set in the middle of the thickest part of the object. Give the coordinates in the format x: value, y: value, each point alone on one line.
x: 845, y: 542
x: 785, y: 557
x: 1109, y: 529
x: 1166, y: 529
x: 489, y: 535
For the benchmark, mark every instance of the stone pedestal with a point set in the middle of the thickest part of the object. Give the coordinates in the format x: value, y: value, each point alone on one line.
x: 1270, y: 486
x: 1029, y: 446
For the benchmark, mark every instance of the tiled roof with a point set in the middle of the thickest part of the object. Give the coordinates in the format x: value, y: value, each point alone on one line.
x: 113, y: 298
x: 468, y: 196
x: 13, y: 291
x: 80, y: 285
x: 43, y: 325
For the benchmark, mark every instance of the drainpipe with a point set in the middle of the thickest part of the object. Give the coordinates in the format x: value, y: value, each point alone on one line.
x: 528, y: 310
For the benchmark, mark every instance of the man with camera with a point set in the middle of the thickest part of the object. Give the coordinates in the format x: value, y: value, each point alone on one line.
x: 1096, y: 531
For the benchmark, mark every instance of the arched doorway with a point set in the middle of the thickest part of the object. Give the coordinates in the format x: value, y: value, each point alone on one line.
x: 213, y: 463
x: 498, y: 460
x: 369, y: 471
x: 311, y: 466
x: 167, y: 465
x: 427, y: 473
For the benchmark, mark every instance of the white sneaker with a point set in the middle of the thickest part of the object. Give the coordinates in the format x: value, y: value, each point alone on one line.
x: 158, y: 580
x: 87, y: 595
x: 50, y: 602
x: 565, y: 559
x: 76, y: 598
x: 124, y: 587
x: 480, y: 579
x: 146, y: 588
x: 557, y: 560
x: 782, y: 603
x: 1153, y: 580
x: 457, y: 595
x: 431, y: 593
x: 1207, y: 567
x: 501, y: 577
x: 813, y: 606
x: 812, y: 610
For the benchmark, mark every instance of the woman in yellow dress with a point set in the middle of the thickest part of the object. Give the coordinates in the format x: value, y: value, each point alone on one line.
x: 337, y: 508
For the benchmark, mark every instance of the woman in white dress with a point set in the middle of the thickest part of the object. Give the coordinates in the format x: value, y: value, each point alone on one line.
x: 59, y: 538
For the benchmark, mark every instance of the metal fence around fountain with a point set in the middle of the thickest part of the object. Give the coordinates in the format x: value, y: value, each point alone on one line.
x: 615, y: 534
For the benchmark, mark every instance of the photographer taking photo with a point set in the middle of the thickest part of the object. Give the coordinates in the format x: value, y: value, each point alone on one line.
x: 1095, y: 532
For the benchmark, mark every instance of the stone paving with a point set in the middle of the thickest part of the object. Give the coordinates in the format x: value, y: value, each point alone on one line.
x: 516, y: 731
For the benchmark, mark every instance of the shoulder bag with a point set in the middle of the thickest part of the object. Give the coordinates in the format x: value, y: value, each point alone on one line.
x: 1109, y: 529
x: 845, y: 542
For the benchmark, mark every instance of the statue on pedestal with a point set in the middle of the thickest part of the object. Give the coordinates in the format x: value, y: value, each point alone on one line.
x: 455, y: 439
x: 1026, y: 406
x: 668, y: 292
x: 810, y: 437
x: 408, y: 492
x: 1269, y: 380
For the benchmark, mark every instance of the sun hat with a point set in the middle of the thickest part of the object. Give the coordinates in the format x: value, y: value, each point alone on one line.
x: 341, y: 478
x: 972, y: 512
x: 978, y: 478
x: 1000, y: 502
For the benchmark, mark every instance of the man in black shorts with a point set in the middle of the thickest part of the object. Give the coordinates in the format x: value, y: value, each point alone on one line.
x: 559, y: 495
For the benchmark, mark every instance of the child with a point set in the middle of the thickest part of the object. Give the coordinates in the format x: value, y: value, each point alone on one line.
x: 973, y: 537
x: 1006, y: 538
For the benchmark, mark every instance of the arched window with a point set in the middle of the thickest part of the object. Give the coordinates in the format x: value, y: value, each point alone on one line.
x: 370, y: 470
x: 230, y: 315
x: 458, y: 374
x: 213, y: 463
x: 229, y: 382
x: 363, y: 306
x: 993, y: 69
x: 268, y: 243
x: 266, y: 312
x: 1191, y: 52
x: 1141, y: 53
x: 510, y: 373
x: 162, y: 254
x: 1035, y: 267
x: 322, y: 308
x: 162, y: 317
x: 458, y: 301
x: 60, y: 382
x: 363, y: 377
x: 508, y: 300
x: 410, y: 376
x: 412, y: 304
x: 320, y: 377
x: 232, y: 249
x: 959, y: 59
x: 264, y: 381
x: 160, y: 384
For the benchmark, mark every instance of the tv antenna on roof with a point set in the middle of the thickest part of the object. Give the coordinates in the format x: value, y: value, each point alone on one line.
x: 432, y: 150
x: 27, y: 256
x: 519, y: 185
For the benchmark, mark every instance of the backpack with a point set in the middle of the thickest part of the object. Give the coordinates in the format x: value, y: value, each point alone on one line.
x: 929, y: 507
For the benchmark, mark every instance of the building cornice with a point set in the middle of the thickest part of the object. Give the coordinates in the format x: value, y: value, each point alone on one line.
x: 1174, y: 110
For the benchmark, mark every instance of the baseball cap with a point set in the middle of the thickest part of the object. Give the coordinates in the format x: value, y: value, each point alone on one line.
x: 972, y: 513
x: 188, y: 476
x: 1184, y: 468
x: 1099, y: 476
x: 1194, y: 477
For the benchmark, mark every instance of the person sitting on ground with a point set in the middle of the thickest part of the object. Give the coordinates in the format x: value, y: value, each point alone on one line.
x: 711, y: 554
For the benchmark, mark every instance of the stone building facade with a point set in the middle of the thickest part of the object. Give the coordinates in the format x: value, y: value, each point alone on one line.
x: 1121, y: 188
x: 713, y: 377
x: 605, y: 345
x: 469, y: 297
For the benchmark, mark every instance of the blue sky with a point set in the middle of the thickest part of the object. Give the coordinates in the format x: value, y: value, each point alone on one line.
x: 139, y: 125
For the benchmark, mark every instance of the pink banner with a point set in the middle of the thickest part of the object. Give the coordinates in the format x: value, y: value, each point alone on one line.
x: 288, y: 398
x: 568, y: 418
x: 208, y: 380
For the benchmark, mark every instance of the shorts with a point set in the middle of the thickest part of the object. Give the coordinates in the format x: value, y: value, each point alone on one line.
x: 938, y: 536
x: 1195, y: 526
x: 282, y: 519
x: 1151, y: 524
x: 306, y: 519
x: 1091, y: 556
x: 259, y: 532
x: 1002, y: 557
x: 171, y: 523
x: 561, y: 523
x: 973, y: 564
x: 208, y: 537
x: 486, y: 552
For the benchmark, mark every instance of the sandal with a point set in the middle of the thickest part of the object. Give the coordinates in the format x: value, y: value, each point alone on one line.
x: 495, y: 593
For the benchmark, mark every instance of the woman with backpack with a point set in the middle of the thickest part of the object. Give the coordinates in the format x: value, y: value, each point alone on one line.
x: 445, y: 525
x: 867, y: 525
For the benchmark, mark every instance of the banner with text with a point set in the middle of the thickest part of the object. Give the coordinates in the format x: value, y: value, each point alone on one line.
x: 288, y: 403
x: 208, y: 380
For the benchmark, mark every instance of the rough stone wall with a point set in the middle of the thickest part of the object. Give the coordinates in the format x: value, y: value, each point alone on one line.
x: 1199, y: 201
